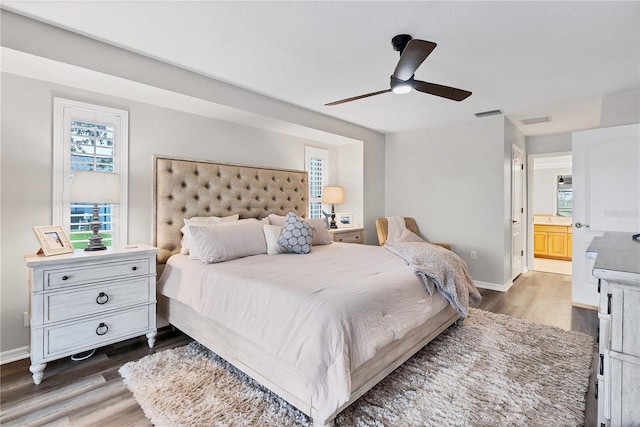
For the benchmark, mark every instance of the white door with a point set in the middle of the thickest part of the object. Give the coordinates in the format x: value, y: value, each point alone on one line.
x: 606, y: 195
x: 517, y: 210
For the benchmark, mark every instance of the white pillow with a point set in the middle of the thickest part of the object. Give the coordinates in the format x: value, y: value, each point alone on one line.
x: 194, y: 252
x: 271, y: 235
x: 185, y: 243
x: 320, y: 231
x: 218, y: 244
x: 321, y: 234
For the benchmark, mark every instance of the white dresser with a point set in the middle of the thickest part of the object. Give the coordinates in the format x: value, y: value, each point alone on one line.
x: 85, y: 300
x: 617, y: 268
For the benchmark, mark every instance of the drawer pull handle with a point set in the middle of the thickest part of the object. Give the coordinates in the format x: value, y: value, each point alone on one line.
x: 596, y: 392
x: 609, y: 303
x: 134, y: 268
x: 601, y: 364
x: 65, y: 277
x: 598, y: 334
x: 102, y: 329
x: 599, y: 285
x: 102, y: 298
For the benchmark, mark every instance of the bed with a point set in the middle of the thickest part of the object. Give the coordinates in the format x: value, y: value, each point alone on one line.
x: 279, y: 357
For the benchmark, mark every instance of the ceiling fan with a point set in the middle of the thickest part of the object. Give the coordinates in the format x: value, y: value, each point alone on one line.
x: 412, y: 53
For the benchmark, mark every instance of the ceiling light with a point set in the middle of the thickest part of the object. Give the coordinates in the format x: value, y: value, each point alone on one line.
x: 402, y: 88
x: 536, y: 120
x: 488, y: 113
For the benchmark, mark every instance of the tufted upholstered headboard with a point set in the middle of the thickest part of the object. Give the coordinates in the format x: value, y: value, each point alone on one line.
x: 187, y: 188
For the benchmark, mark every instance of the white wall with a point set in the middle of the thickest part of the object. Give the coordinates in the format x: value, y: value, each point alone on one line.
x: 452, y: 181
x: 550, y: 143
x: 350, y: 172
x: 545, y: 200
x: 26, y: 197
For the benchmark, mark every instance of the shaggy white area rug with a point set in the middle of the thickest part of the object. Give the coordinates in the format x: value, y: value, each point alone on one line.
x: 493, y: 371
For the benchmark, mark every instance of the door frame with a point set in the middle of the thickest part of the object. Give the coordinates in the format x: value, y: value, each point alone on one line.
x: 523, y: 213
x: 529, y: 209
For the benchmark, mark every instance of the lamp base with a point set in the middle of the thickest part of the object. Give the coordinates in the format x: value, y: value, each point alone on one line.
x: 95, y: 248
x: 332, y: 224
x: 95, y: 241
x: 95, y: 244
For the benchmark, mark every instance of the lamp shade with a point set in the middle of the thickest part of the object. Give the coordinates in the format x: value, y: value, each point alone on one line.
x: 95, y: 187
x: 332, y: 195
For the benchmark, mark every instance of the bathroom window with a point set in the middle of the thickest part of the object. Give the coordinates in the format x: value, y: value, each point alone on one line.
x: 565, y: 195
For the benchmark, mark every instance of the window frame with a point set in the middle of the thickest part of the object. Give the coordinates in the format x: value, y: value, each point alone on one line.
x: 61, y: 180
x: 323, y: 153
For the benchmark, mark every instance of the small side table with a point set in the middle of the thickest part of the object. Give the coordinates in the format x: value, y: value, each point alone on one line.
x: 85, y: 300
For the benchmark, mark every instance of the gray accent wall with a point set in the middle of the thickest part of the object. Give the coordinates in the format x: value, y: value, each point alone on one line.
x: 456, y: 182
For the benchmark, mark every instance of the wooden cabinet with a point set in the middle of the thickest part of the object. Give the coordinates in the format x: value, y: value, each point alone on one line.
x: 347, y: 235
x: 84, y: 300
x: 617, y: 268
x: 552, y: 241
x: 540, y: 240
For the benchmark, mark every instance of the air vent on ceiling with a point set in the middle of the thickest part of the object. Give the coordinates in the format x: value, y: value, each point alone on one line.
x: 488, y: 113
x: 536, y: 120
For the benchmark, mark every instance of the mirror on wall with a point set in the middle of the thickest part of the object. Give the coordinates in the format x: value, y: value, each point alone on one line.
x: 564, y: 195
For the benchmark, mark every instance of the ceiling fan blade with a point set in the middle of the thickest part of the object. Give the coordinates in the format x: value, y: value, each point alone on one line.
x: 440, y: 90
x: 413, y: 55
x: 342, y: 101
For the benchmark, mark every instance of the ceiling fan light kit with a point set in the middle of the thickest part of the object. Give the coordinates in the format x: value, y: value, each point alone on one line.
x: 413, y: 52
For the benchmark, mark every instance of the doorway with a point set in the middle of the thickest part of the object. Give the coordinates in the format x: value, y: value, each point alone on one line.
x: 552, y: 213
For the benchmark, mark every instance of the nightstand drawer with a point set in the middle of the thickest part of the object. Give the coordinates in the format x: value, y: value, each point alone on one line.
x: 92, y: 273
x: 97, y: 299
x: 87, y: 334
x: 351, y: 236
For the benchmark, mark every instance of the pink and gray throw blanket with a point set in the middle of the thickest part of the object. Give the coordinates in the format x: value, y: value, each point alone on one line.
x: 447, y: 271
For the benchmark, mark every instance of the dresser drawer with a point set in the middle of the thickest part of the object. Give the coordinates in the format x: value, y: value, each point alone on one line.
x: 97, y: 299
x: 96, y: 332
x: 93, y: 273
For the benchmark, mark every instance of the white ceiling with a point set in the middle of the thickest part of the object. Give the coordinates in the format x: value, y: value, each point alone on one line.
x: 529, y: 59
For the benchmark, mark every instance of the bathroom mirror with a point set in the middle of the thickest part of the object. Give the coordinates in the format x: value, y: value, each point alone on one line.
x: 565, y: 196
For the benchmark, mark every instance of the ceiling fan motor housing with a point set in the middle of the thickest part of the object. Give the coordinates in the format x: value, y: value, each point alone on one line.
x: 400, y: 41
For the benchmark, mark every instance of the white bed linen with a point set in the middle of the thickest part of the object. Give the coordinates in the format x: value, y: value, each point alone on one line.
x: 325, y: 313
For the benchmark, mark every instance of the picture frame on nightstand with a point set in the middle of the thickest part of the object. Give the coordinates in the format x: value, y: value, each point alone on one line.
x: 53, y: 240
x: 344, y: 220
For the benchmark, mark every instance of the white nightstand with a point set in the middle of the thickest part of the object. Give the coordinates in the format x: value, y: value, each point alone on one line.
x: 347, y: 235
x: 84, y: 300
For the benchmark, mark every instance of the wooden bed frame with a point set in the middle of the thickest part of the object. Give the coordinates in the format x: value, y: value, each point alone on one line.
x: 186, y: 188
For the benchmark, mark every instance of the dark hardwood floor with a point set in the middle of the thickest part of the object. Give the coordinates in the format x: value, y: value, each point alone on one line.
x: 91, y: 392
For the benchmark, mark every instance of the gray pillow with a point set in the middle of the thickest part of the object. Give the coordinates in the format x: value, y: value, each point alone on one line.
x: 296, y: 235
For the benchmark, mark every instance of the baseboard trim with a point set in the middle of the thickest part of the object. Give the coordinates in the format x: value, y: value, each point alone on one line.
x: 14, y: 355
x: 494, y: 286
x: 587, y: 306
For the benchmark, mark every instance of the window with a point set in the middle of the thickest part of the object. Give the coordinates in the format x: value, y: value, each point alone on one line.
x: 317, y: 164
x: 565, y: 195
x: 89, y: 138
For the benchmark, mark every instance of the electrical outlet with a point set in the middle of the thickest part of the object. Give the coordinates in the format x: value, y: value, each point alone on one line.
x: 25, y: 319
x: 474, y: 255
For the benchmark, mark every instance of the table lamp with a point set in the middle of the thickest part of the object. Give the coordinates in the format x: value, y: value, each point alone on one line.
x: 333, y: 195
x: 95, y: 187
